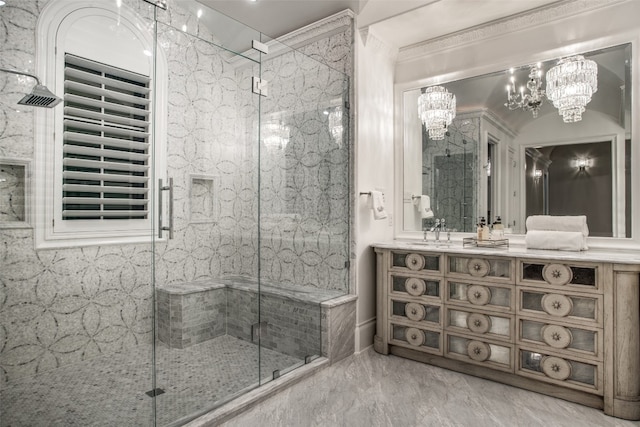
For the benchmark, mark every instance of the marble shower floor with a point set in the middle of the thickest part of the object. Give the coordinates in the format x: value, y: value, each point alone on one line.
x: 110, y: 391
x: 371, y: 390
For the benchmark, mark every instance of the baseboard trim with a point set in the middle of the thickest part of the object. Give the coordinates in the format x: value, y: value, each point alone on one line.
x: 364, y: 334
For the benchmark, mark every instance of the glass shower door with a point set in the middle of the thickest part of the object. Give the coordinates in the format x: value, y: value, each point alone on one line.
x: 206, y: 262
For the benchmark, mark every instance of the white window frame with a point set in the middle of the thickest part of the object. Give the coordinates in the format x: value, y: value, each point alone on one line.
x: 58, y: 19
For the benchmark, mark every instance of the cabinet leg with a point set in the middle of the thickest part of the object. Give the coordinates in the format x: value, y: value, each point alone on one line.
x: 380, y: 346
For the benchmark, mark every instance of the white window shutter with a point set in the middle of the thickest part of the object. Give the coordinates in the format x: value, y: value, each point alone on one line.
x: 106, y: 142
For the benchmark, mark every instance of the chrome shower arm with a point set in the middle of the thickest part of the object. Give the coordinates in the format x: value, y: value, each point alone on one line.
x: 20, y: 73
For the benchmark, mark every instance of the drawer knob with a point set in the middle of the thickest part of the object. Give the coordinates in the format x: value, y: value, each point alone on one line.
x: 478, y: 295
x: 556, y: 336
x: 478, y: 267
x: 557, y: 305
x: 557, y: 274
x: 414, y: 311
x: 414, y: 286
x: 478, y: 351
x: 479, y: 323
x: 556, y: 368
x: 414, y: 262
x: 414, y: 336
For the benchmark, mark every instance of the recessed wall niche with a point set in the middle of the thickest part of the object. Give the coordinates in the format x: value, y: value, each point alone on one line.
x: 14, y: 207
x: 201, y: 198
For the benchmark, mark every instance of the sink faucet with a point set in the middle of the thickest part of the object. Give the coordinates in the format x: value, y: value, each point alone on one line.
x: 437, y: 229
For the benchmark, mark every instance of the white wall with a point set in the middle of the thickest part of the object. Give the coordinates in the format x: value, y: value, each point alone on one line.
x: 374, y: 170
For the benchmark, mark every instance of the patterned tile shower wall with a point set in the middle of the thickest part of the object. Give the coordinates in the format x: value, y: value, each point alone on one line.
x: 63, y: 306
x: 450, y: 173
x: 304, y: 184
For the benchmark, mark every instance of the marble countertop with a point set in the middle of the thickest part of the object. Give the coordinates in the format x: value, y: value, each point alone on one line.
x: 619, y: 256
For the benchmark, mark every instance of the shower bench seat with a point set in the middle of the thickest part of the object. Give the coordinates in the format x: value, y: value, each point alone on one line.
x: 295, y: 321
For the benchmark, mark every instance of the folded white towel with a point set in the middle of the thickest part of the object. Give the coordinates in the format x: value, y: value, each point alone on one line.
x: 423, y: 203
x: 377, y: 204
x: 559, y: 240
x: 558, y: 223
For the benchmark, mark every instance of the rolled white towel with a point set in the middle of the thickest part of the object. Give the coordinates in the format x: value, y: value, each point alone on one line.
x: 558, y: 240
x: 558, y: 223
x: 377, y: 204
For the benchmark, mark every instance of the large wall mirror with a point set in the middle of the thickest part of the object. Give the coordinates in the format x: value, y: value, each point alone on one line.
x: 503, y: 158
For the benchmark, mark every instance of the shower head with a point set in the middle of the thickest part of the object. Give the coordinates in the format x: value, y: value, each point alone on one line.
x: 40, y: 96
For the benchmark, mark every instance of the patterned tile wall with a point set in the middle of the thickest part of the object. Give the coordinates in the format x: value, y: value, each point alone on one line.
x: 59, y: 307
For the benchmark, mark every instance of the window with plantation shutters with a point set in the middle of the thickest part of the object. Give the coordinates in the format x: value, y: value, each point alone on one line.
x: 106, y: 154
x: 99, y: 155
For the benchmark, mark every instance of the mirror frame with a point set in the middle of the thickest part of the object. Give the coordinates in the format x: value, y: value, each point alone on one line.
x: 522, y: 59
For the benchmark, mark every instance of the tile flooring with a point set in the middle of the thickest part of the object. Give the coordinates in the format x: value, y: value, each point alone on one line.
x: 110, y: 391
x: 371, y: 390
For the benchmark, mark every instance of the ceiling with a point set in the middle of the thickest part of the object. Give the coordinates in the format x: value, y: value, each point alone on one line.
x: 398, y: 22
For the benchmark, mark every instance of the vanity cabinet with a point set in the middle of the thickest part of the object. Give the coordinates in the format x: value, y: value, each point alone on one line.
x: 542, y: 320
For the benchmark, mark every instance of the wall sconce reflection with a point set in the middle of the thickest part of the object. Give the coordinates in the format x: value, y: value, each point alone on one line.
x: 537, y: 174
x: 582, y: 164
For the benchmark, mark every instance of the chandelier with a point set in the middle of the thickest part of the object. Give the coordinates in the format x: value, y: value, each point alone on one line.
x: 527, y: 101
x: 570, y: 85
x: 276, y: 134
x: 437, y: 109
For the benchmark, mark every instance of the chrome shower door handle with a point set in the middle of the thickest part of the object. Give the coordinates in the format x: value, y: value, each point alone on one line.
x: 161, y: 227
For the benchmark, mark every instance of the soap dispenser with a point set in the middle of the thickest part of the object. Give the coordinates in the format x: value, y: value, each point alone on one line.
x: 498, y: 229
x: 482, y: 229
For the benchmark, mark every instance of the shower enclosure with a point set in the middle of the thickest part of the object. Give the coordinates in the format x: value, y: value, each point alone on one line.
x: 450, y: 173
x: 169, y: 232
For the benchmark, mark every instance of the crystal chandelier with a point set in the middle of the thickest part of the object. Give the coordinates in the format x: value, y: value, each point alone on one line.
x: 570, y: 85
x: 335, y: 125
x: 275, y: 134
x: 436, y: 108
x: 527, y: 101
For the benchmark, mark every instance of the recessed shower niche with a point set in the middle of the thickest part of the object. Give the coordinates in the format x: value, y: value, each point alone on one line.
x: 13, y: 192
x: 201, y: 198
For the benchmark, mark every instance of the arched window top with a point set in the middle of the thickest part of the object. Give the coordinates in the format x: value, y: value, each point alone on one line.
x: 98, y: 152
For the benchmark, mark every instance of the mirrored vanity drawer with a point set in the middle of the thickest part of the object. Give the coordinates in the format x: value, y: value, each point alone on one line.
x: 479, y: 352
x: 582, y: 277
x: 566, y: 306
x: 482, y: 268
x: 480, y: 323
x: 482, y: 295
x: 415, y: 311
x: 416, y: 286
x: 416, y: 337
x: 562, y: 339
x: 416, y: 261
x: 578, y: 374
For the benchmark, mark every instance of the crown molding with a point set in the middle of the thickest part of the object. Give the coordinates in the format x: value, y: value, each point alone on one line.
x: 323, y: 28
x: 542, y: 15
x: 371, y: 40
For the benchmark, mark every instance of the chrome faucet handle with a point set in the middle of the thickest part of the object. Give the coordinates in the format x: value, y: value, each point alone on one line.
x: 437, y: 222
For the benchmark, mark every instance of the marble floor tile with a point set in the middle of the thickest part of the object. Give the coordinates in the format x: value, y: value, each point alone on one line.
x: 370, y: 390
